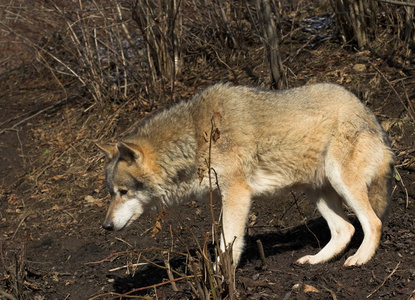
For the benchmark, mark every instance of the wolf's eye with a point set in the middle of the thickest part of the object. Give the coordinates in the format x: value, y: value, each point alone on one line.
x: 123, y: 192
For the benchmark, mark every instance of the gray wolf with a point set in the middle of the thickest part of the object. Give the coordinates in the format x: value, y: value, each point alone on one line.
x: 319, y: 139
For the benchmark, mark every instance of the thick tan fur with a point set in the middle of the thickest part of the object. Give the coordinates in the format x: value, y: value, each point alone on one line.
x: 320, y: 139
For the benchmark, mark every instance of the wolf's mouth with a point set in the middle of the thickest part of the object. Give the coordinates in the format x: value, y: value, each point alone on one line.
x: 130, y: 221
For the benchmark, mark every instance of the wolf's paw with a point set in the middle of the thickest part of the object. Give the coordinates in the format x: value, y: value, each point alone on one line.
x: 355, y: 260
x: 308, y: 259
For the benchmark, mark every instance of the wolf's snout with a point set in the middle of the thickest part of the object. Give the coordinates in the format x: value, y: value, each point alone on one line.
x: 108, y: 225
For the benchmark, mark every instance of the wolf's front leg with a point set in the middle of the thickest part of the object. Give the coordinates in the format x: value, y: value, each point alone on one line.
x: 236, y: 204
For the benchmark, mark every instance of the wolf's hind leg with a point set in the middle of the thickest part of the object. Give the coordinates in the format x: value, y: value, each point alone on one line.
x: 329, y: 204
x: 353, y: 190
x: 236, y: 205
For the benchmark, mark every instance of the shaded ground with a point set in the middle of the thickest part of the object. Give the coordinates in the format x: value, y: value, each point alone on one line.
x: 50, y: 212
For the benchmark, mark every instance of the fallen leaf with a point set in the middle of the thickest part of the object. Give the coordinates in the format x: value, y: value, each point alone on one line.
x: 215, y: 135
x: 306, y: 288
x: 57, y: 177
x: 217, y: 115
x: 200, y: 172
x: 94, y: 201
x: 310, y: 289
x: 205, y: 137
x: 56, y: 207
x: 156, y: 229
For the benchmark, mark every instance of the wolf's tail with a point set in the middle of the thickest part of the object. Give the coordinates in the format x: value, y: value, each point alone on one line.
x: 380, y: 191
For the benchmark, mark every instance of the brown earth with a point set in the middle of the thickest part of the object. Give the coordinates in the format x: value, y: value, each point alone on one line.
x: 52, y: 206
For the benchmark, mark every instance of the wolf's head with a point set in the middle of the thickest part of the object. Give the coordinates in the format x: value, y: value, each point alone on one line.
x: 130, y: 181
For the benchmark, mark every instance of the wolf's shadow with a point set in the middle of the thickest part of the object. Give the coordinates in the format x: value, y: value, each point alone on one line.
x: 315, y: 234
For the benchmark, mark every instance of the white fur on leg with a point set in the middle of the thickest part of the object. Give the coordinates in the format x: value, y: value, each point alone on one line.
x: 357, y: 200
x: 236, y: 205
x: 341, y: 229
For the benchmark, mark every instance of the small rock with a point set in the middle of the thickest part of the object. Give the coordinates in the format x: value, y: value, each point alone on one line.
x: 359, y: 67
x: 90, y: 199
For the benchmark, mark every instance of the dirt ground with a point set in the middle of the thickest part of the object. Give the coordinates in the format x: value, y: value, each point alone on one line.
x: 52, y: 245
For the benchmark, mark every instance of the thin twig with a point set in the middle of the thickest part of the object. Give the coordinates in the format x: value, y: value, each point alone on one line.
x: 410, y: 106
x: 14, y: 127
x: 125, y: 242
x: 305, y: 219
x: 333, y: 294
x: 154, y: 286
x: 126, y: 266
x: 264, y: 265
x: 399, y: 3
x: 49, y: 166
x: 14, y: 117
x: 7, y: 295
x: 394, y: 90
x: 404, y: 187
x: 384, y: 281
x: 112, y: 256
x: 21, y: 149
x: 20, y: 224
x: 169, y: 272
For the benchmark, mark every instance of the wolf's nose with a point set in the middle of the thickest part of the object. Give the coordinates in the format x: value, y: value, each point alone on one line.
x: 108, y: 225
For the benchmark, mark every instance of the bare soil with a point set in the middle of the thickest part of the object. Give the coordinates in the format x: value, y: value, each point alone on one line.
x: 52, y: 245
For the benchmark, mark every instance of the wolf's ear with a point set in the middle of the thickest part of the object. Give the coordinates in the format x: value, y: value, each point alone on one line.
x: 110, y: 151
x: 130, y: 152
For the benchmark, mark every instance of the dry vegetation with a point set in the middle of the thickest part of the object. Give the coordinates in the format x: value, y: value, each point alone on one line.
x: 76, y: 72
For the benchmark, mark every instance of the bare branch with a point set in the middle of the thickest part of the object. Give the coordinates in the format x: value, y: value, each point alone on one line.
x: 399, y: 3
